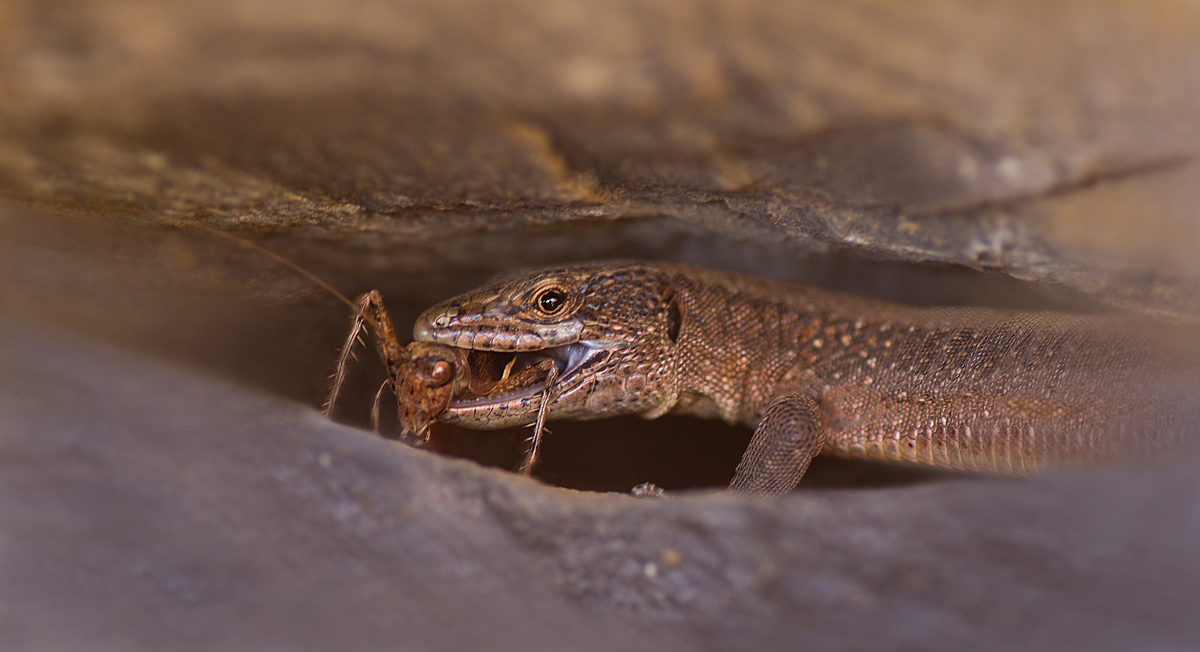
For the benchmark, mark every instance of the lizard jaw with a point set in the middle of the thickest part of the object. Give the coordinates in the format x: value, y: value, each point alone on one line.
x: 569, y: 358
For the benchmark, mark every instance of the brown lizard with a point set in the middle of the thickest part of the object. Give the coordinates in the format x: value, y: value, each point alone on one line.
x: 812, y: 371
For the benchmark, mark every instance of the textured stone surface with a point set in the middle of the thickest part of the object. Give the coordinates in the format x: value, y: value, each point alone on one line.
x: 149, y: 507
x: 1053, y: 142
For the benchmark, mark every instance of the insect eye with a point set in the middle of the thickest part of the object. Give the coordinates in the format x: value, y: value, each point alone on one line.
x: 551, y: 301
x: 441, y: 373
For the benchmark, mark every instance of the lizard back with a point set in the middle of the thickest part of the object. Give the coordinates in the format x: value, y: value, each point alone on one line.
x: 970, y: 388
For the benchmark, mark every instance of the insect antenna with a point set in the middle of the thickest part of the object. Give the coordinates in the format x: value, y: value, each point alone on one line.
x: 339, y: 376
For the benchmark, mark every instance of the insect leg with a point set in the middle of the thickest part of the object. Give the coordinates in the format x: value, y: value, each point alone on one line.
x: 540, y: 424
x: 372, y: 316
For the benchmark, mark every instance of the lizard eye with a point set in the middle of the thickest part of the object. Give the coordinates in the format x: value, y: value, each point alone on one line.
x: 551, y: 301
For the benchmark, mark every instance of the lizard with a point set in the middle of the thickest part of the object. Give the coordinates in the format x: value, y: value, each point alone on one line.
x: 811, y: 370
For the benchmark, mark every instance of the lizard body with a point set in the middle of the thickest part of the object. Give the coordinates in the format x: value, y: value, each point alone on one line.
x: 968, y: 388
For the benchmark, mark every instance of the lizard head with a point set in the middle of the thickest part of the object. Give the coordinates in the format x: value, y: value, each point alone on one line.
x: 610, y: 329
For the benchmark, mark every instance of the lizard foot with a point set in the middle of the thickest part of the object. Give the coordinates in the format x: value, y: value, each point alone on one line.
x: 648, y: 490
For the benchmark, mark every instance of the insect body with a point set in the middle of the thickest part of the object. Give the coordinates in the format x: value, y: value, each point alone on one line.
x: 426, y: 377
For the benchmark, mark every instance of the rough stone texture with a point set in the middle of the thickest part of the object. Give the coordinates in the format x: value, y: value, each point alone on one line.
x: 1053, y: 141
x: 166, y: 483
x: 167, y: 510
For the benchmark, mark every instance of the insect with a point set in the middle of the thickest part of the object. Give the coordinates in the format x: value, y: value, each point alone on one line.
x: 425, y: 377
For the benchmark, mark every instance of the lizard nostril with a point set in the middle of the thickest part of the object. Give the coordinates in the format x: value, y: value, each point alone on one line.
x: 422, y: 329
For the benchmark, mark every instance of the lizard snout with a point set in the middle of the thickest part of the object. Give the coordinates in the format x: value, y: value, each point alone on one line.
x: 447, y: 327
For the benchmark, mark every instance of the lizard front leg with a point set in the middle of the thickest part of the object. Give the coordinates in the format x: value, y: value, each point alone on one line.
x: 791, y: 433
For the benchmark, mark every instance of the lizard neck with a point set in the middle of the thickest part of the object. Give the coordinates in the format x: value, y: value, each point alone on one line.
x: 738, y: 342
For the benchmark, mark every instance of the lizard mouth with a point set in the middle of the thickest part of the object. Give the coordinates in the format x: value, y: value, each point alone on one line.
x: 503, y: 378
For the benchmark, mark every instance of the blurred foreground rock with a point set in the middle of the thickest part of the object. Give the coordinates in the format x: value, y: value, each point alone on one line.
x: 149, y: 507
